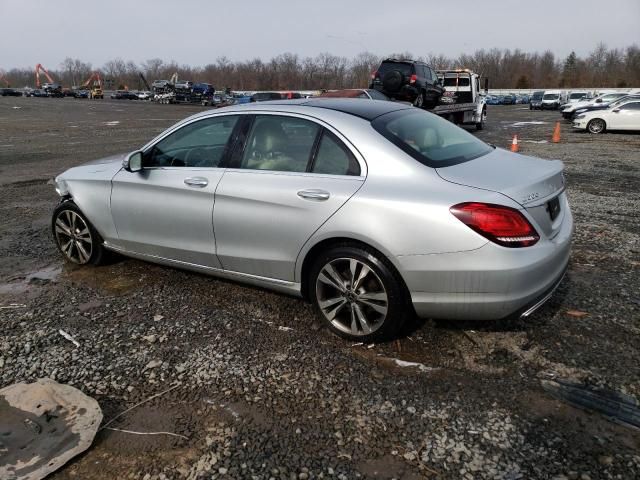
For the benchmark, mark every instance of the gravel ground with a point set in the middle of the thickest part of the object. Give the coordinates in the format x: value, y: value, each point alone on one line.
x: 262, y: 391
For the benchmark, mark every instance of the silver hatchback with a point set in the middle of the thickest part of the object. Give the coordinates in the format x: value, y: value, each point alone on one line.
x: 371, y: 210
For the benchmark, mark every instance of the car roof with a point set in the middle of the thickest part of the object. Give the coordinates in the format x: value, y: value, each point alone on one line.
x: 352, y: 106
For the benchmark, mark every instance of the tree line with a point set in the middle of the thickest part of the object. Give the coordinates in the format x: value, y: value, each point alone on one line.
x: 505, y: 68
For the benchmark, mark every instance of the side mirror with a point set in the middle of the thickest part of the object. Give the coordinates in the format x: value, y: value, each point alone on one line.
x: 598, y: 100
x: 133, y: 162
x: 615, y: 110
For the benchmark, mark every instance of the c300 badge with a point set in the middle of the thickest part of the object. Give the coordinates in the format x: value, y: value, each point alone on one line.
x: 530, y: 197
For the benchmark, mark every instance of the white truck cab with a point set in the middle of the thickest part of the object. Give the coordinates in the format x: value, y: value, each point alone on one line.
x: 463, y: 102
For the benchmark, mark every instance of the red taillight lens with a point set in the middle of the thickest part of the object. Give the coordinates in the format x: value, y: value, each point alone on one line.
x: 413, y: 79
x: 502, y: 225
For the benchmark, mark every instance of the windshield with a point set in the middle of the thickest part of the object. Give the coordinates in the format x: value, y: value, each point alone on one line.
x: 624, y: 99
x: 429, y: 139
x: 611, y: 97
x: 536, y: 95
x: 551, y: 96
x: 575, y: 96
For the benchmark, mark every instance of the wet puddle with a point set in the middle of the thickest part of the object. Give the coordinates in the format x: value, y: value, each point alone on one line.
x: 40, y: 277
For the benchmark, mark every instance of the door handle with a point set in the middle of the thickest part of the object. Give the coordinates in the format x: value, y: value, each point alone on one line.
x: 314, y: 194
x: 199, y: 182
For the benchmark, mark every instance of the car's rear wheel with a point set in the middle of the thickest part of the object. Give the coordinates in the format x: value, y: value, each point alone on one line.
x: 358, y: 293
x: 75, y: 237
x: 597, y: 125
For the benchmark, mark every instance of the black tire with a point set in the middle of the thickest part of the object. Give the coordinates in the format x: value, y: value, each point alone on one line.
x: 530, y: 107
x: 381, y: 273
x: 480, y: 124
x: 597, y: 125
x: 77, y: 249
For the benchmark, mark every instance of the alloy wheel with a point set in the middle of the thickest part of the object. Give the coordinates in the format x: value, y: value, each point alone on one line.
x: 596, y: 126
x: 419, y: 101
x: 352, y: 296
x: 73, y: 236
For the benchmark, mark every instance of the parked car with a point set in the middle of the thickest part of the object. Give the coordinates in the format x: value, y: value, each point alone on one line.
x: 145, y: 95
x: 161, y: 84
x: 550, y: 100
x: 10, y: 92
x: 605, y: 106
x: 203, y: 88
x: 625, y: 116
x: 568, y: 110
x: 67, y: 92
x: 492, y: 100
x: 535, y: 102
x: 508, y: 99
x: 495, y: 224
x: 576, y: 96
x: 38, y: 92
x: 184, y: 85
x: 408, y: 80
x: 265, y: 96
x: 82, y: 93
x: 124, y: 95
x: 368, y: 93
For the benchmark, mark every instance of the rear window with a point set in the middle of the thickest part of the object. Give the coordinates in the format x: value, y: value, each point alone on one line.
x: 429, y: 139
x: 459, y: 82
x: 404, y: 68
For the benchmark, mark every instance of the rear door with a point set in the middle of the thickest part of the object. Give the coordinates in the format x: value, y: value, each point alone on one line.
x: 283, y: 182
x: 166, y: 210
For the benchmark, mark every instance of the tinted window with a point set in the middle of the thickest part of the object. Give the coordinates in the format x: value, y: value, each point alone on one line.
x: 376, y: 95
x: 404, y: 68
x: 631, y: 106
x: 428, y: 138
x: 573, y: 96
x: 537, y: 96
x: 279, y: 143
x: 334, y: 157
x: 459, y: 82
x: 551, y: 96
x: 198, y: 144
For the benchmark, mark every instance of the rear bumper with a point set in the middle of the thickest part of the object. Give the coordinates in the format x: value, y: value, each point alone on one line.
x: 489, y: 283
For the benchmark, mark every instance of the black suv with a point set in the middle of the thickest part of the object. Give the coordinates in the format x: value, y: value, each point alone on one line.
x: 408, y: 80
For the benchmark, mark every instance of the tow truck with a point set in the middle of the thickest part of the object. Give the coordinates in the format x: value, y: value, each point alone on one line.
x: 463, y: 103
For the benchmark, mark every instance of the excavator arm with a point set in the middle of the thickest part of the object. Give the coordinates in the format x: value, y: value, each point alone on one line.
x: 39, y: 68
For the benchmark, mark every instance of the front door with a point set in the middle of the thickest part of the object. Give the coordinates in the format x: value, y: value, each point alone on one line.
x: 625, y: 117
x: 286, y: 180
x: 166, y: 210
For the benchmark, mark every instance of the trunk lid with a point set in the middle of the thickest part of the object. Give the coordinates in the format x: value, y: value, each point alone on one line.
x: 536, y: 184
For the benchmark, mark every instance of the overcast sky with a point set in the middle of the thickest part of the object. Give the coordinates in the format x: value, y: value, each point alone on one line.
x: 196, y: 32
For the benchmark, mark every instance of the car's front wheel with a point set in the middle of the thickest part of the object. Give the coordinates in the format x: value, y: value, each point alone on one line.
x: 358, y: 293
x: 596, y: 125
x: 75, y: 237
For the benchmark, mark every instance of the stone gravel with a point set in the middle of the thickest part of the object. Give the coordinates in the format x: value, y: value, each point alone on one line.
x: 262, y: 390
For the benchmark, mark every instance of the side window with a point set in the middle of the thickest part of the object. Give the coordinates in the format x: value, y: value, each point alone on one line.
x: 198, y: 144
x: 280, y: 143
x: 631, y: 106
x: 334, y: 158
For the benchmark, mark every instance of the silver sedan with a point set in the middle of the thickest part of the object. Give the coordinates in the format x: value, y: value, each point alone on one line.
x: 371, y: 210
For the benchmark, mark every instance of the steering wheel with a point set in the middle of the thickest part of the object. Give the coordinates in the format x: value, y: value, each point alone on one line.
x: 197, y: 157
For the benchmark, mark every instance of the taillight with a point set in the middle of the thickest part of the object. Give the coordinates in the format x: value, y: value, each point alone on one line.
x: 505, y: 226
x: 374, y: 75
x: 413, y: 78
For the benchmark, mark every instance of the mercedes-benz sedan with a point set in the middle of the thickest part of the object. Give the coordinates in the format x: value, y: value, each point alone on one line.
x: 371, y: 210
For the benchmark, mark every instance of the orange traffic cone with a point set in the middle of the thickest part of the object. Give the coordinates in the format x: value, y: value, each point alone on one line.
x: 514, y: 144
x: 556, y: 134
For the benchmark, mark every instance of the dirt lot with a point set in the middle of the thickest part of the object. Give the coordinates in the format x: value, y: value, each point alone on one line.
x: 262, y: 391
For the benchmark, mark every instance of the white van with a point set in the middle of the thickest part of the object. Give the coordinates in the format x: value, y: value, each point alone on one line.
x: 551, y: 100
